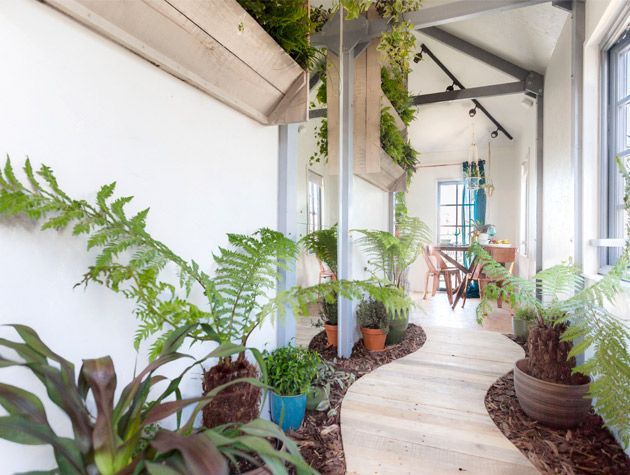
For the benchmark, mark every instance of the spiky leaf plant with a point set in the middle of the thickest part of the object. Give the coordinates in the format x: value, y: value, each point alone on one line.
x: 585, y: 312
x: 389, y: 256
x: 115, y: 439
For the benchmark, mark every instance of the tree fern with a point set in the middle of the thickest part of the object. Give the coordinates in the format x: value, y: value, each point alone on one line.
x: 390, y: 256
x: 592, y: 325
x: 323, y: 243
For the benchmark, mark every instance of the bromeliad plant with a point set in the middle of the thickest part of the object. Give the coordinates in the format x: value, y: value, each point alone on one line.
x: 572, y: 318
x: 114, y: 439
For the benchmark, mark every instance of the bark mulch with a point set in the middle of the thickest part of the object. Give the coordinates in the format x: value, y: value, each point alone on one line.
x: 586, y: 449
x: 319, y: 438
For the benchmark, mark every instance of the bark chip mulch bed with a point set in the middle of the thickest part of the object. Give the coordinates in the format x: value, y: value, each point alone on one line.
x: 319, y: 438
x: 586, y: 449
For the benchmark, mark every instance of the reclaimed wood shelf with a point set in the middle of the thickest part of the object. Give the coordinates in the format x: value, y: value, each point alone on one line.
x: 214, y: 45
x: 371, y: 162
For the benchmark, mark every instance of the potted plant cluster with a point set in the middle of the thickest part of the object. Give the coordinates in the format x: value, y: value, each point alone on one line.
x: 290, y: 372
x: 373, y: 321
x: 122, y: 437
x: 572, y: 319
x: 389, y: 258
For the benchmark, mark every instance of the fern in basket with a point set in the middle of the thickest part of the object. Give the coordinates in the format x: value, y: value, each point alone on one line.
x: 583, y: 315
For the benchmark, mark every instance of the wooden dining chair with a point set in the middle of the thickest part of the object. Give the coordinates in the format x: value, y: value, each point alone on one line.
x: 325, y: 273
x: 436, y: 268
x: 502, y: 255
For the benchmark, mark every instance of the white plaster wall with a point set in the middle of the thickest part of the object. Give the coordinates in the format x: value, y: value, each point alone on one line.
x: 558, y: 215
x: 97, y: 113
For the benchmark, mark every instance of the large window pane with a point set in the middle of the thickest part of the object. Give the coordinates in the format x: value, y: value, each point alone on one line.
x: 448, y: 194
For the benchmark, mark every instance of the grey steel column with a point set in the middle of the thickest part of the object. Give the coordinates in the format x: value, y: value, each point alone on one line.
x: 346, y: 323
x: 540, y: 114
x: 287, y: 217
x: 577, y: 68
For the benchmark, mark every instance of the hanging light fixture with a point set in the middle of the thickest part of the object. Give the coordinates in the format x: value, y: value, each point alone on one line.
x: 472, y: 112
x: 472, y: 177
x: 495, y: 133
x: 417, y: 57
x: 451, y: 87
x: 488, y: 185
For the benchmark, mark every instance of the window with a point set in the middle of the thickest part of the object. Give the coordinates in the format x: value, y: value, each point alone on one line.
x: 452, y: 213
x: 618, y: 144
x: 314, y: 204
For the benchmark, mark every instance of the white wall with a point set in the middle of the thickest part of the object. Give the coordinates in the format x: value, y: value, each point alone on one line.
x: 558, y: 215
x: 97, y: 113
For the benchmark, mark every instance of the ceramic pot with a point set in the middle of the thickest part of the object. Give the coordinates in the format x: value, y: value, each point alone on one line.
x: 288, y: 411
x: 520, y: 327
x: 557, y: 405
x: 374, y: 339
x: 331, y: 334
x: 397, y: 329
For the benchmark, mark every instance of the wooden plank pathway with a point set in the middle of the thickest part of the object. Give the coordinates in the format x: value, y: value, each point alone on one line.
x: 425, y: 413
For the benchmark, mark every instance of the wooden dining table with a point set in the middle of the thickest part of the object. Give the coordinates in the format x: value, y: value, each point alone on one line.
x: 444, y: 249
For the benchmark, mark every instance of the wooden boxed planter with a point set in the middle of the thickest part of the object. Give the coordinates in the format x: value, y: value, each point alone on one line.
x: 370, y: 160
x: 214, y: 45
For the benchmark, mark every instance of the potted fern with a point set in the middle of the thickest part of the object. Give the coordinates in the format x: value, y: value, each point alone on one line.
x: 236, y: 300
x: 389, y: 258
x: 323, y: 244
x: 571, y: 318
x: 373, y: 321
x: 291, y: 371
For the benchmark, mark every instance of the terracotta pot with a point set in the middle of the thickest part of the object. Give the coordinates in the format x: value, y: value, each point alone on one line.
x: 373, y: 339
x: 331, y: 334
x: 556, y: 405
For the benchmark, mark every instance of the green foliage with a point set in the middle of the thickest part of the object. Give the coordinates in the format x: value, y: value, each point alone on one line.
x: 130, y: 261
x: 114, y: 439
x: 321, y: 143
x: 291, y: 369
x: 328, y: 376
x: 323, y: 243
x: 395, y: 145
x: 289, y: 24
x: 354, y: 8
x: 390, y: 256
x: 394, y: 86
x: 398, y: 43
x: 372, y: 314
x: 591, y: 325
x: 527, y: 314
x: 400, y: 206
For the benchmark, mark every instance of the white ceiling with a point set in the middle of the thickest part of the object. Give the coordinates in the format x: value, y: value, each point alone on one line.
x: 524, y: 36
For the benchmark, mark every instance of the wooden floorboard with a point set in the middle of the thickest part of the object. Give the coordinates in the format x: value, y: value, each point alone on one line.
x: 425, y: 413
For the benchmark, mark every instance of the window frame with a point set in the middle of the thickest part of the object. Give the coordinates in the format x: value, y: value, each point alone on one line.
x: 458, y: 204
x: 612, y: 223
x: 314, y: 218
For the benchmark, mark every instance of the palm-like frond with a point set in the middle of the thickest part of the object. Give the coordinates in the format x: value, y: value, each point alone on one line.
x: 323, y: 243
x: 389, y: 256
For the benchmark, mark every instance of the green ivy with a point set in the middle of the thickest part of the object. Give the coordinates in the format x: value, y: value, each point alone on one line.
x: 395, y: 144
x: 394, y: 86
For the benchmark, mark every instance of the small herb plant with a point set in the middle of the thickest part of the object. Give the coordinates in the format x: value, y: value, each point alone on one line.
x: 327, y: 376
x: 372, y: 314
x: 291, y: 369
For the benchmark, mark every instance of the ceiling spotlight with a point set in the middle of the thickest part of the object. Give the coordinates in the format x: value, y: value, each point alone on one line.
x: 495, y: 134
x: 451, y: 87
x: 472, y: 112
x: 417, y: 57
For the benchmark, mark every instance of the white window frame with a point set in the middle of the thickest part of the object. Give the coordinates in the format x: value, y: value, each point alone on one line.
x: 612, y: 227
x: 314, y: 202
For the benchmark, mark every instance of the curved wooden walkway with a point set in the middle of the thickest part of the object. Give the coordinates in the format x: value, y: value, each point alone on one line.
x: 425, y: 413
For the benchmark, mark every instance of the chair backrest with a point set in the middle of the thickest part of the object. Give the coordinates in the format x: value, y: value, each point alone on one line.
x: 428, y: 257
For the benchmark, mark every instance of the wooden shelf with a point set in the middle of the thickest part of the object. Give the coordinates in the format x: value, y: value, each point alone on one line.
x: 214, y: 45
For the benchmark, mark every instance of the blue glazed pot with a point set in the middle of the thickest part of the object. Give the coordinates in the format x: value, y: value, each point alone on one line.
x: 288, y: 411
